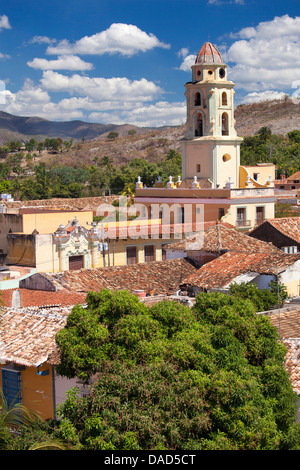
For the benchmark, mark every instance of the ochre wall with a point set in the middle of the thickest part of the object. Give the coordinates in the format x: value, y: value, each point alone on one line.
x: 9, y: 222
x: 37, y: 390
x: 264, y: 172
x: 21, y: 250
x: 49, y: 222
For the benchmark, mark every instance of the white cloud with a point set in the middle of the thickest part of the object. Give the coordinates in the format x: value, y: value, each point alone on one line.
x: 69, y: 62
x: 187, y: 62
x: 263, y: 96
x: 4, y: 22
x: 120, y: 38
x: 221, y: 2
x: 29, y: 98
x: 118, y: 89
x: 266, y: 57
x: 4, y: 56
x: 32, y: 100
x: 161, y: 113
x: 41, y: 40
x: 262, y: 79
x: 183, y: 52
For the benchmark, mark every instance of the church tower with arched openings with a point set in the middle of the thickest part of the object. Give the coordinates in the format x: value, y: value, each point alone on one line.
x: 211, y: 147
x: 213, y: 183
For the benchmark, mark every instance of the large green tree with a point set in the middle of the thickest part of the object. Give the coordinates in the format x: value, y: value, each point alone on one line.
x: 174, y: 377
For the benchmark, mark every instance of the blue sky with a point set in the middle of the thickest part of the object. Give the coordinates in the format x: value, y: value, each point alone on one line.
x: 126, y: 61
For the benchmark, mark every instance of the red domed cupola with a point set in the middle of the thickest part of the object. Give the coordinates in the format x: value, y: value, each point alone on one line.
x: 209, y: 54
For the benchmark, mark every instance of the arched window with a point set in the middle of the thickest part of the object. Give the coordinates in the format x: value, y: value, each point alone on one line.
x: 224, y: 98
x: 197, y: 99
x: 225, y: 128
x: 198, y: 125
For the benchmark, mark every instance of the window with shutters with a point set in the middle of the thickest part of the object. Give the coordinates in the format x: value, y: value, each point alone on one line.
x: 290, y: 249
x: 131, y: 254
x: 11, y: 386
x: 148, y: 253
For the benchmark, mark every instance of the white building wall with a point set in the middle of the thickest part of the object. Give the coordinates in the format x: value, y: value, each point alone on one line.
x: 263, y: 280
x: 291, y: 278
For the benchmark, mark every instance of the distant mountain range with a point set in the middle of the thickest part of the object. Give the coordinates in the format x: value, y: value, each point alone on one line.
x: 22, y: 128
x: 281, y: 116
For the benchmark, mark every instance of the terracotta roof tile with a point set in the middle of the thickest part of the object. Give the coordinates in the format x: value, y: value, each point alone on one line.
x: 162, y: 277
x: 224, y: 269
x: 295, y: 176
x: 209, y: 54
x: 289, y: 226
x: 220, y: 237
x: 39, y: 298
x: 288, y: 324
x: 27, y: 336
x: 6, y: 297
x: 292, y: 362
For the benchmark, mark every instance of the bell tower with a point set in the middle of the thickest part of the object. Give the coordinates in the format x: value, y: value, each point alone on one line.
x: 211, y: 148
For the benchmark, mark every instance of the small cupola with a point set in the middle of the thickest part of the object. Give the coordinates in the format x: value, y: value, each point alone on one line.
x: 209, y: 64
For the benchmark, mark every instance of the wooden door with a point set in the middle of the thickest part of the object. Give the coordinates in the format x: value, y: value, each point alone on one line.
x: 76, y: 262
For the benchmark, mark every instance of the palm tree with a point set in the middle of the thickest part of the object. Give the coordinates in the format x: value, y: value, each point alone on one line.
x: 129, y: 192
x: 13, y: 417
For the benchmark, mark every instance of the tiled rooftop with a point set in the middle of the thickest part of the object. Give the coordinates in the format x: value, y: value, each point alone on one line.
x: 288, y: 325
x: 287, y: 322
x: 39, y: 298
x: 161, y: 277
x: 84, y: 203
x: 289, y: 226
x: 223, y: 237
x: 224, y: 269
x: 292, y: 362
x: 295, y: 176
x: 27, y: 336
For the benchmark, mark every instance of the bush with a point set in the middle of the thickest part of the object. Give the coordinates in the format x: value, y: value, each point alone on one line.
x: 263, y: 299
x: 113, y: 135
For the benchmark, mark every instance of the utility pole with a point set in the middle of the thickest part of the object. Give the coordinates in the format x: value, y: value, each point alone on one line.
x: 103, y: 248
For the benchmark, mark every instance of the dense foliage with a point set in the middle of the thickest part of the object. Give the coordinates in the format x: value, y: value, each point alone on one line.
x: 263, y: 299
x: 173, y: 377
x: 283, y: 151
x: 40, y: 182
x: 92, y: 180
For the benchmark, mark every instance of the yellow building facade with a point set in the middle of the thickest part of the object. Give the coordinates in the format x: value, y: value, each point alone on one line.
x: 73, y: 245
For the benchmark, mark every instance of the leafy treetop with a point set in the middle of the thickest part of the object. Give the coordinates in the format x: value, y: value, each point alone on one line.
x: 174, y: 377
